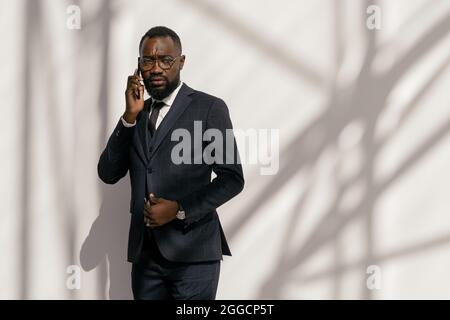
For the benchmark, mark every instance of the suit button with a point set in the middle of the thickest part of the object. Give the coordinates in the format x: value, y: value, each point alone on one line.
x: 149, y: 170
x: 150, y: 149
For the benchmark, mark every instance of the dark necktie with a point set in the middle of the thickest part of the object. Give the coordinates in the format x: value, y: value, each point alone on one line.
x: 157, y: 105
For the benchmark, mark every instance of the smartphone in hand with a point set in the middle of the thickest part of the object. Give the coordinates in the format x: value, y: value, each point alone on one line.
x: 139, y: 74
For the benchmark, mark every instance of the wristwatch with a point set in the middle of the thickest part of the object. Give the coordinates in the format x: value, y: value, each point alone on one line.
x: 181, y: 215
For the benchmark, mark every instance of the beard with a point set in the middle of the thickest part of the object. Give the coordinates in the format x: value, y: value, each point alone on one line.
x: 162, y: 92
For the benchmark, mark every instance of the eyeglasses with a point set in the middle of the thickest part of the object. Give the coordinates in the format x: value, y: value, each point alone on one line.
x: 164, y: 62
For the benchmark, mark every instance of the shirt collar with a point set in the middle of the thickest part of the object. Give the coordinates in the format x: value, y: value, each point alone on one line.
x: 171, y: 97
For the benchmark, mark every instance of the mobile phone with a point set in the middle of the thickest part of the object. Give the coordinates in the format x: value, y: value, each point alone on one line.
x: 140, y: 75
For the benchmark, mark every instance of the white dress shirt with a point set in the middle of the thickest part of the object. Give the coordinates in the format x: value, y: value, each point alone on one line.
x: 168, y: 101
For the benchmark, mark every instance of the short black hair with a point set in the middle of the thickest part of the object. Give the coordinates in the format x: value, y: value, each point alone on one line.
x: 161, y: 31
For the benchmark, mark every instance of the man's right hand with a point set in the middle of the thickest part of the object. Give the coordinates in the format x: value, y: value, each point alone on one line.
x: 134, y: 97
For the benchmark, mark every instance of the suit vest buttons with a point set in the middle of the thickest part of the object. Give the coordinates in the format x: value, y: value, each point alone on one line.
x: 149, y: 170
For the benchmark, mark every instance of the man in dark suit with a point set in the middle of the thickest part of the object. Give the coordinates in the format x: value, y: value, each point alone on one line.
x: 176, y: 241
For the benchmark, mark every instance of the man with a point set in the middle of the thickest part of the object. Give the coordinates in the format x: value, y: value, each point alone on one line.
x: 176, y: 241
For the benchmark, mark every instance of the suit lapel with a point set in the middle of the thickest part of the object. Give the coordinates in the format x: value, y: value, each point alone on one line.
x: 180, y: 104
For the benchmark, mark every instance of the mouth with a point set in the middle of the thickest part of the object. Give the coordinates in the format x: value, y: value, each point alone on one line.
x: 157, y: 82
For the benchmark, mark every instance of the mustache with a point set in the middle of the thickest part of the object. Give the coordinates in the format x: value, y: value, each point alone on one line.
x: 151, y: 78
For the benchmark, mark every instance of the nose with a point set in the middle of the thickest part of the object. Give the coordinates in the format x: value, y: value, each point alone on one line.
x: 156, y: 68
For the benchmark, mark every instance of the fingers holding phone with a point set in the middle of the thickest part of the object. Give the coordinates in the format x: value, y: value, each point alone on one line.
x: 134, y: 96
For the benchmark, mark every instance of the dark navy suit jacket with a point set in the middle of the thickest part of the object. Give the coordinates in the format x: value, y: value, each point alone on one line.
x: 148, y: 159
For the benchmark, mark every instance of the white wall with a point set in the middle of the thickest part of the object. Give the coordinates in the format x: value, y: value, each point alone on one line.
x: 362, y: 114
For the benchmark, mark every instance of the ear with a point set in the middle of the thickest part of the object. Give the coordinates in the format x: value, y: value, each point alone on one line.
x: 182, y: 59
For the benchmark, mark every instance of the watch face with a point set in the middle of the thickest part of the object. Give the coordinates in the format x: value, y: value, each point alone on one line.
x: 181, y: 215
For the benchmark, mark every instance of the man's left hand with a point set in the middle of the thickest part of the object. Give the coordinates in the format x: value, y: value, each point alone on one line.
x: 159, y: 211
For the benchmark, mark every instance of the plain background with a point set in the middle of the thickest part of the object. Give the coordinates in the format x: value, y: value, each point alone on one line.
x: 363, y: 118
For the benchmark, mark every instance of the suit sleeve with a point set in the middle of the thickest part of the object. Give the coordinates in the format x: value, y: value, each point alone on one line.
x: 114, y: 160
x: 229, y: 180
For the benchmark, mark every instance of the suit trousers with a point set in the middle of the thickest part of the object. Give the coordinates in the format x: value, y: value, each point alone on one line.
x: 156, y: 278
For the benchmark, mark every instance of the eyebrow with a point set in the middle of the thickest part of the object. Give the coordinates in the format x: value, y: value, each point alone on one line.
x: 159, y: 56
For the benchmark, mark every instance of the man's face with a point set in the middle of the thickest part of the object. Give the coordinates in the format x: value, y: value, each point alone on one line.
x: 160, y: 82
